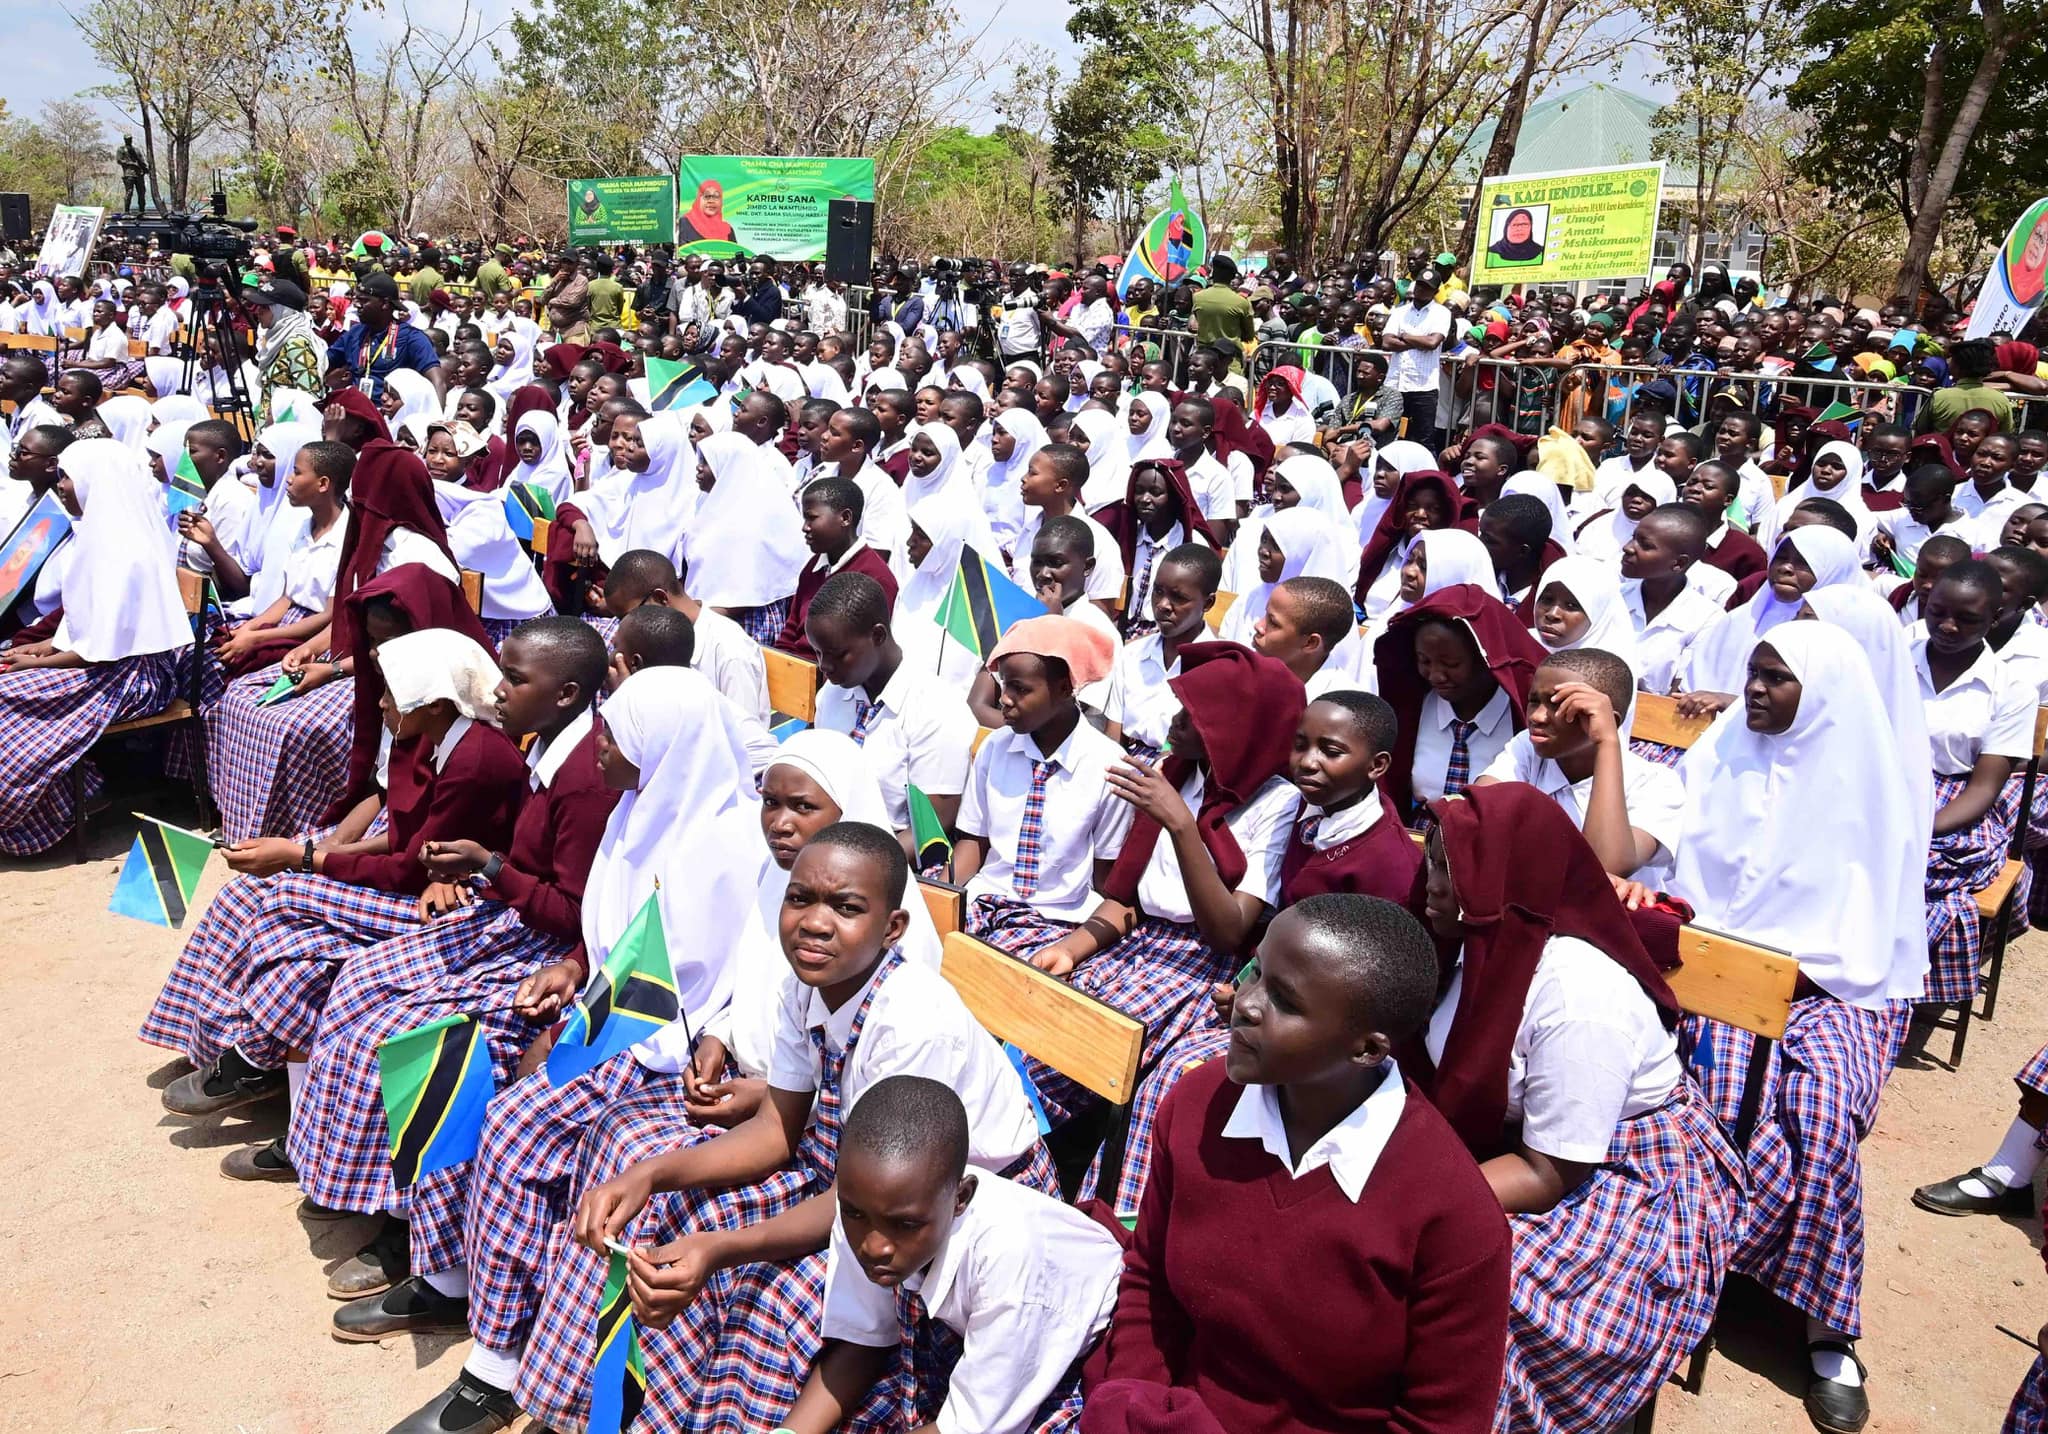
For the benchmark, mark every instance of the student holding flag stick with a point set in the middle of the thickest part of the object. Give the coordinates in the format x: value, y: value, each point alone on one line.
x: 674, y: 878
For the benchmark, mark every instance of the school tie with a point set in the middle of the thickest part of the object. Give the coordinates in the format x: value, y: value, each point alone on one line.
x: 1309, y: 829
x: 863, y: 713
x: 1458, y: 775
x: 1031, y: 831
x: 934, y: 1350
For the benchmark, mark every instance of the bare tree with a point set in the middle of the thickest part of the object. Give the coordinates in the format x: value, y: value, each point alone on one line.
x: 172, y: 56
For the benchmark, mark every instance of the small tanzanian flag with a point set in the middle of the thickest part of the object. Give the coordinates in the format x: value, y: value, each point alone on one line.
x: 618, y: 1380
x: 675, y: 383
x: 279, y: 690
x: 525, y: 502
x: 161, y: 873
x: 632, y: 996
x: 926, y: 830
x: 1837, y: 412
x: 437, y: 1081
x: 188, y: 489
x: 983, y: 604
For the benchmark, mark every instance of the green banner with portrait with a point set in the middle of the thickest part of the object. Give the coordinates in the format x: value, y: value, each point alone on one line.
x: 764, y: 204
x: 1567, y: 226
x: 639, y: 209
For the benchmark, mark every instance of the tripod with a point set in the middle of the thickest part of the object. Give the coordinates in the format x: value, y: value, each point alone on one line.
x: 212, y: 317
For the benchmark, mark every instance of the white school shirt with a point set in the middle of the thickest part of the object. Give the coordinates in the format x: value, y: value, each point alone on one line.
x: 406, y: 546
x: 1141, y: 702
x: 1261, y: 826
x: 1140, y: 602
x: 1215, y: 487
x: 922, y: 735
x: 108, y: 343
x: 1433, y: 742
x: 1610, y: 481
x: 1334, y: 829
x: 1027, y: 1282
x: 917, y: 1025
x: 1099, y: 694
x: 1663, y: 641
x: 1244, y: 479
x: 1385, y: 588
x: 231, y: 506
x: 36, y: 413
x: 1084, y: 821
x: 1654, y: 794
x: 1981, y: 530
x: 1590, y: 1052
x: 1754, y: 495
x: 1416, y: 370
x: 313, y: 563
x: 884, y: 520
x: 1351, y: 1149
x: 1106, y: 583
x: 1987, y: 709
x: 545, y: 758
x: 2025, y: 656
x: 1714, y: 584
x: 732, y: 662
x: 1908, y: 534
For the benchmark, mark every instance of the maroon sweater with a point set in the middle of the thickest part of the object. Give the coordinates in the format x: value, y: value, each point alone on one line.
x: 476, y: 796
x: 1380, y: 861
x: 1738, y: 555
x: 1290, y: 1310
x: 792, y: 638
x: 554, y: 843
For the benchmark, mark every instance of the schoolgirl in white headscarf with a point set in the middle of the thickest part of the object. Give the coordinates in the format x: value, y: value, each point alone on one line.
x: 1310, y: 546
x: 277, y: 527
x: 1531, y: 484
x: 416, y: 398
x: 1109, y: 462
x: 1718, y: 660
x: 649, y: 508
x: 927, y: 647
x: 515, y: 371
x: 1602, y: 621
x: 1317, y: 489
x: 745, y: 545
x: 1604, y: 535
x: 127, y: 417
x: 1002, y: 485
x: 1150, y: 440
x: 1846, y: 490
x: 551, y: 469
x: 948, y: 480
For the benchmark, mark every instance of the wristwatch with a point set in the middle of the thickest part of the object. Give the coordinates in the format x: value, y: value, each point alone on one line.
x: 306, y: 861
x: 491, y: 869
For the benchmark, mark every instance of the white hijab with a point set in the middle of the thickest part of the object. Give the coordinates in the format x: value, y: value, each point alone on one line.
x: 1718, y: 660
x: 745, y: 546
x: 1531, y: 484
x: 1771, y: 851
x: 416, y: 398
x: 439, y: 664
x: 275, y: 515
x: 1403, y: 456
x: 1023, y: 426
x: 120, y: 584
x: 693, y: 826
x: 1152, y: 442
x: 1452, y: 557
x: 1605, y: 536
x: 1310, y: 547
x: 127, y: 417
x: 551, y: 470
x: 1596, y: 587
x: 178, y: 407
x: 948, y: 481
x: 926, y: 646
x: 834, y: 761
x: 1321, y: 492
x: 1889, y: 649
x: 1109, y: 459
x: 482, y: 540
x: 165, y: 374
x: 628, y: 510
x: 1848, y: 492
x: 507, y: 378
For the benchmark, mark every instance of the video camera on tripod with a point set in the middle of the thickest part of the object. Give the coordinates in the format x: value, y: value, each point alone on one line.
x: 219, y: 249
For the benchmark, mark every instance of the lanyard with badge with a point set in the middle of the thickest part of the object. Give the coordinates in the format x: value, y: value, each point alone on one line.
x: 367, y: 367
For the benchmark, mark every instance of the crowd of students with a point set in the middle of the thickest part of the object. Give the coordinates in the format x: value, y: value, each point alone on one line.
x: 1318, y: 764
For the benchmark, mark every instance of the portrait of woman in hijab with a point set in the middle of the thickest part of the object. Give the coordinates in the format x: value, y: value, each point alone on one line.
x: 705, y: 218
x: 1518, y: 235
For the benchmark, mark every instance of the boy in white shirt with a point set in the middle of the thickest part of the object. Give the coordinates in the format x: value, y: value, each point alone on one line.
x: 913, y: 726
x: 1051, y: 487
x: 1573, y: 752
x: 1929, y: 509
x: 1305, y: 621
x: 1141, y: 706
x: 1020, y: 1283
x: 729, y: 659
x: 1039, y: 824
x: 1668, y: 612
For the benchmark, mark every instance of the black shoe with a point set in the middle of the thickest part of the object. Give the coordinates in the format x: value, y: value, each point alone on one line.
x: 1949, y: 1197
x: 376, y: 1267
x: 412, y: 1306
x: 468, y: 1406
x: 1834, y: 1407
x: 260, y: 1162
x: 227, y: 1083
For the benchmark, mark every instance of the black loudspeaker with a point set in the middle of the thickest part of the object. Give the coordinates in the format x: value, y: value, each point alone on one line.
x: 14, y: 216
x: 849, y: 240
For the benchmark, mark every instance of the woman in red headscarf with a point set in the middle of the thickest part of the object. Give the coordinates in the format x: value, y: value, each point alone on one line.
x: 1423, y: 500
x: 705, y: 218
x: 2019, y: 368
x: 1553, y: 1053
x: 1157, y: 514
x: 1456, y: 669
x: 1201, y: 865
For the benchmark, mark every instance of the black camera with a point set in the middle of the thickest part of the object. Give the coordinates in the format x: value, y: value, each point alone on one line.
x: 202, y: 236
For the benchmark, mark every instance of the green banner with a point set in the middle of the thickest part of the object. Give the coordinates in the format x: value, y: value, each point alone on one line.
x: 764, y: 204
x: 636, y: 210
x: 1567, y: 226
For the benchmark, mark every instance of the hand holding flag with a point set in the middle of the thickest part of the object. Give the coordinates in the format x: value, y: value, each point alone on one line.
x: 161, y: 873
x: 632, y: 996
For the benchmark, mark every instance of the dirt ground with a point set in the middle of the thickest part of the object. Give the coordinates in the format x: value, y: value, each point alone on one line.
x: 147, y: 1295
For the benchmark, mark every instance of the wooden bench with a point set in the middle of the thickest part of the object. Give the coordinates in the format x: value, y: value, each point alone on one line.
x: 792, y: 685
x: 184, y: 710
x: 1095, y: 1046
x: 946, y: 904
x: 473, y: 590
x: 1657, y: 720
x: 1219, y: 608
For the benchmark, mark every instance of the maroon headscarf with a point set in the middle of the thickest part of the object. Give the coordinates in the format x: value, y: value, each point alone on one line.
x: 1245, y: 708
x: 428, y: 600
x: 357, y: 404
x: 559, y: 360
x: 1121, y: 518
x: 1522, y: 873
x: 1935, y: 448
x: 1234, y: 433
x: 1393, y: 524
x: 391, y: 489
x: 609, y: 354
x: 1510, y: 654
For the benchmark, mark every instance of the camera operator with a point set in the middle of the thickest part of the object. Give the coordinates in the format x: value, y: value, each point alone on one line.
x: 1019, y: 334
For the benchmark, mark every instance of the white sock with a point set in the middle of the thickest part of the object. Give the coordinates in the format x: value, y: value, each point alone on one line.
x: 452, y: 1283
x: 1830, y: 1363
x: 495, y: 1367
x: 294, y: 1080
x: 2016, y: 1161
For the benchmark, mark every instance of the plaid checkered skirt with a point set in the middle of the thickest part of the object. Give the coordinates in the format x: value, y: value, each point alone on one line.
x: 1614, y: 1286
x: 763, y: 624
x: 2034, y: 1074
x: 1199, y: 1046
x: 1159, y: 974
x: 1013, y: 926
x: 1957, y: 866
x: 2029, y: 1411
x: 204, y: 988
x: 275, y: 769
x: 1804, y: 1241
x: 467, y: 963
x: 50, y: 717
x: 923, y: 1375
x: 605, y: 624
x: 1656, y: 752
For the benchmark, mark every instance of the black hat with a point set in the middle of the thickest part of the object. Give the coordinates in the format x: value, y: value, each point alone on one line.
x: 377, y: 285
x: 282, y: 292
